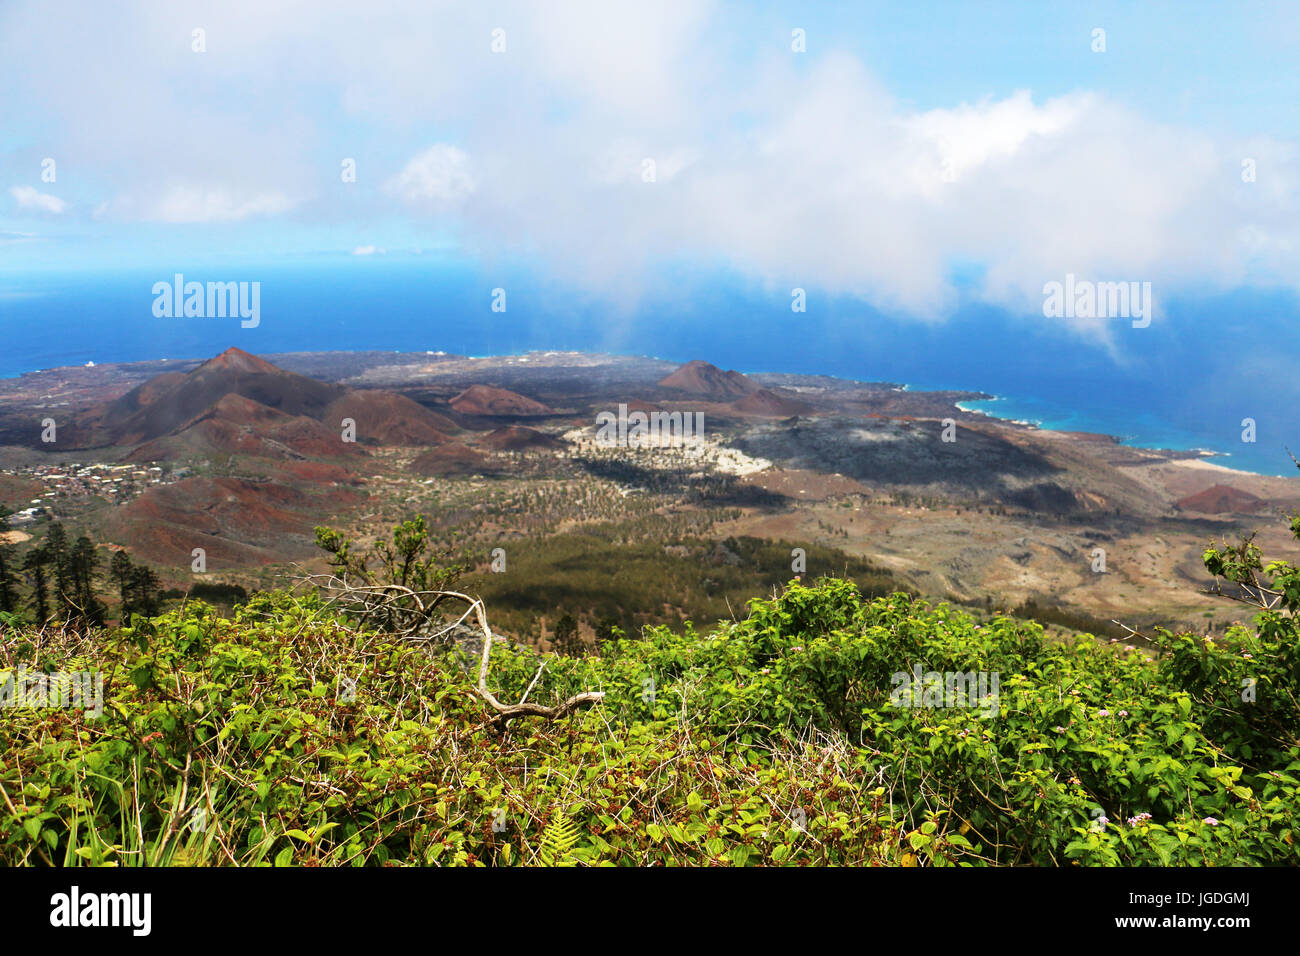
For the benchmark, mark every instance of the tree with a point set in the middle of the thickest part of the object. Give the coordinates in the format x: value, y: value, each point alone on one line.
x: 56, y: 558
x: 8, y: 568
x: 83, y: 562
x: 608, y: 629
x: 119, y: 569
x: 143, y: 592
x: 403, y: 588
x: 34, y: 567
x: 565, y: 639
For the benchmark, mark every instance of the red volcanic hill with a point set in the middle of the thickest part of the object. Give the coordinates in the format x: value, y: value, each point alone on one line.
x: 239, y: 425
x: 387, y: 418
x: 236, y: 521
x: 519, y: 438
x: 709, y: 381
x: 238, y: 402
x: 1222, y: 499
x: 484, y: 400
x: 170, y: 402
x: 770, y: 403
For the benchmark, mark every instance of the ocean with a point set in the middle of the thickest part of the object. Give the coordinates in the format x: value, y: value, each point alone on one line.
x: 1186, y: 382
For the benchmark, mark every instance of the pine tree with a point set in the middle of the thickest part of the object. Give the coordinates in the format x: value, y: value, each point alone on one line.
x: 83, y: 562
x: 8, y: 568
x: 564, y: 639
x: 119, y: 570
x: 143, y: 590
x: 34, y: 566
x: 56, y: 558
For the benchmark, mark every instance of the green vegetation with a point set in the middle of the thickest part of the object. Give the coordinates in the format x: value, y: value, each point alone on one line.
x: 606, y: 574
x: 292, y: 734
x: 398, y: 583
x: 70, y: 585
x: 62, y: 576
x: 773, y: 740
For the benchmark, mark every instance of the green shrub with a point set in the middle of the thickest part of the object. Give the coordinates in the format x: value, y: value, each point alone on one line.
x: 289, y: 735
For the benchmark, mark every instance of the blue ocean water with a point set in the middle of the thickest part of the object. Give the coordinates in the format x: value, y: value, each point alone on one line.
x: 1188, y: 381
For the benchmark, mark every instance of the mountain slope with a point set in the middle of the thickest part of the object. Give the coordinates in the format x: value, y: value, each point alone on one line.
x: 484, y: 400
x: 708, y: 381
x: 172, y: 401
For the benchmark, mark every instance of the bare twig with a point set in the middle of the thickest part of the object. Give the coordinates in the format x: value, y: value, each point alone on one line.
x: 409, y: 613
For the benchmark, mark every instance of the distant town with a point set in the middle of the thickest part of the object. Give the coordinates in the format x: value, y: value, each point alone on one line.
x: 115, y: 484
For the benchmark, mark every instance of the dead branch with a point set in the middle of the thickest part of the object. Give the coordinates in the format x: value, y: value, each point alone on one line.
x: 1256, y: 595
x: 406, y: 612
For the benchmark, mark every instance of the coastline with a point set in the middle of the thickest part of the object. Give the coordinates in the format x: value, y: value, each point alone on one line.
x: 1199, y: 456
x: 1195, y: 455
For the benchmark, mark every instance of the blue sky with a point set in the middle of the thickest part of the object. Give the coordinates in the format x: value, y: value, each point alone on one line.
x: 911, y: 144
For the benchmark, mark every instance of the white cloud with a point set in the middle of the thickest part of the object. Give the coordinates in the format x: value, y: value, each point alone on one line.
x: 438, y: 175
x: 35, y: 201
x: 369, y: 251
x: 791, y: 170
x: 196, y: 204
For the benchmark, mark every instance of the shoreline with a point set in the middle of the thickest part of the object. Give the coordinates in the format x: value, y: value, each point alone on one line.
x: 1197, y: 456
x: 1201, y: 456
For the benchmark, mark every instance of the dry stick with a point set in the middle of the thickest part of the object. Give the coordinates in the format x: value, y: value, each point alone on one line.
x: 504, y: 712
x: 533, y: 683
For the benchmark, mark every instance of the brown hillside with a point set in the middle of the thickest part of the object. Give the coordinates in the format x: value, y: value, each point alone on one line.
x: 453, y: 460
x: 17, y: 493
x: 519, y: 438
x: 387, y: 418
x: 487, y: 401
x: 774, y: 404
x: 236, y: 521
x: 1222, y: 499
x: 709, y: 381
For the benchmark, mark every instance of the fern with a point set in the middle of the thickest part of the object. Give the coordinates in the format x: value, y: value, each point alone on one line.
x: 558, y: 841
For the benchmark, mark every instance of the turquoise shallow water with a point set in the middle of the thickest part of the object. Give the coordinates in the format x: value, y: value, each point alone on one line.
x: 1186, y: 382
x: 1141, y: 431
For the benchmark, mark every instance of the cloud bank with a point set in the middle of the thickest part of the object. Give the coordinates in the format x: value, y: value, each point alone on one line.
x: 603, y: 140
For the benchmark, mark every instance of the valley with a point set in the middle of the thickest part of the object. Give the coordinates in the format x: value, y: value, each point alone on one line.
x: 243, y: 456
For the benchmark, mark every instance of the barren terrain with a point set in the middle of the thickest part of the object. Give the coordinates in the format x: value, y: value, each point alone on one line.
x: 504, y: 452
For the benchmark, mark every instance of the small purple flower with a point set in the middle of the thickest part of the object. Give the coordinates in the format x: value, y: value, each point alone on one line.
x: 1123, y: 713
x: 1211, y: 821
x: 1248, y: 656
x: 1103, y: 713
x: 1059, y: 729
x: 1140, y: 818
